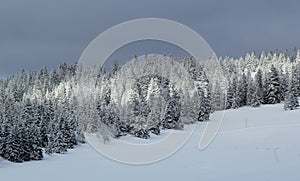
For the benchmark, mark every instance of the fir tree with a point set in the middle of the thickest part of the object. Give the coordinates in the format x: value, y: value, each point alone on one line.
x: 250, y: 89
x: 273, y: 92
x: 242, y: 91
x: 257, y: 98
x: 291, y: 102
x: 32, y: 128
x: 231, y: 93
x: 171, y: 118
x: 154, y: 100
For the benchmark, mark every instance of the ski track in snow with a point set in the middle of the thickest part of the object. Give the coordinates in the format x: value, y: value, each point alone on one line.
x: 252, y: 144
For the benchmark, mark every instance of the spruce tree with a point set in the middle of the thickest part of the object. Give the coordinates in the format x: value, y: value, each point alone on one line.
x: 273, y: 92
x: 242, y: 91
x: 257, y: 98
x: 154, y: 100
x: 172, y: 116
x: 204, y: 97
x: 250, y: 89
x: 291, y: 102
x: 32, y: 128
x: 231, y: 93
x: 15, y: 150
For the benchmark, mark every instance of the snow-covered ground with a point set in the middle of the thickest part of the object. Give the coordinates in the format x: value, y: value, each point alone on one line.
x: 252, y: 144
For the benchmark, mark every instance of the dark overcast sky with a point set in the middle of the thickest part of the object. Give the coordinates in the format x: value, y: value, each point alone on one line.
x: 37, y: 33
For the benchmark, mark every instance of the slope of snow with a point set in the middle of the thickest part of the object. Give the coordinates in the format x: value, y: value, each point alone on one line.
x: 253, y: 144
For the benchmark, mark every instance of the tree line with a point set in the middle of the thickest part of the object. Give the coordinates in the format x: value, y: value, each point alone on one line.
x: 49, y: 111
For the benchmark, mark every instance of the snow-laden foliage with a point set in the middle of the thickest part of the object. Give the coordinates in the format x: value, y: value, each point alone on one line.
x: 49, y: 111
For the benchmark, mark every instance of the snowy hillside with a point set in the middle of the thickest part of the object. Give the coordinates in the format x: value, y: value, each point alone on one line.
x: 53, y: 108
x: 253, y: 144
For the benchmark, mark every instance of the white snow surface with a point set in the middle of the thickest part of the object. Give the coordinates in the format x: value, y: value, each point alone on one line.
x: 252, y: 144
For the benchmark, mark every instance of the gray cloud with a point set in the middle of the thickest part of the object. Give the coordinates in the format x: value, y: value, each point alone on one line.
x: 37, y: 33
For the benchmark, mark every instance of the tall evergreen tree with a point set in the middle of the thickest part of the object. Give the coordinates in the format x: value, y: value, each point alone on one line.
x: 273, y: 92
x: 257, y: 98
x: 242, y: 90
x: 154, y: 100
x: 291, y: 102
x: 171, y: 118
x: 32, y: 128
x: 204, y: 97
x: 231, y: 93
x: 250, y: 89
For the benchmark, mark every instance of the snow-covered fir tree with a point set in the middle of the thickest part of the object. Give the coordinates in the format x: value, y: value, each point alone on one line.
x: 257, y: 98
x: 273, y: 91
x: 291, y: 101
x: 171, y: 119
